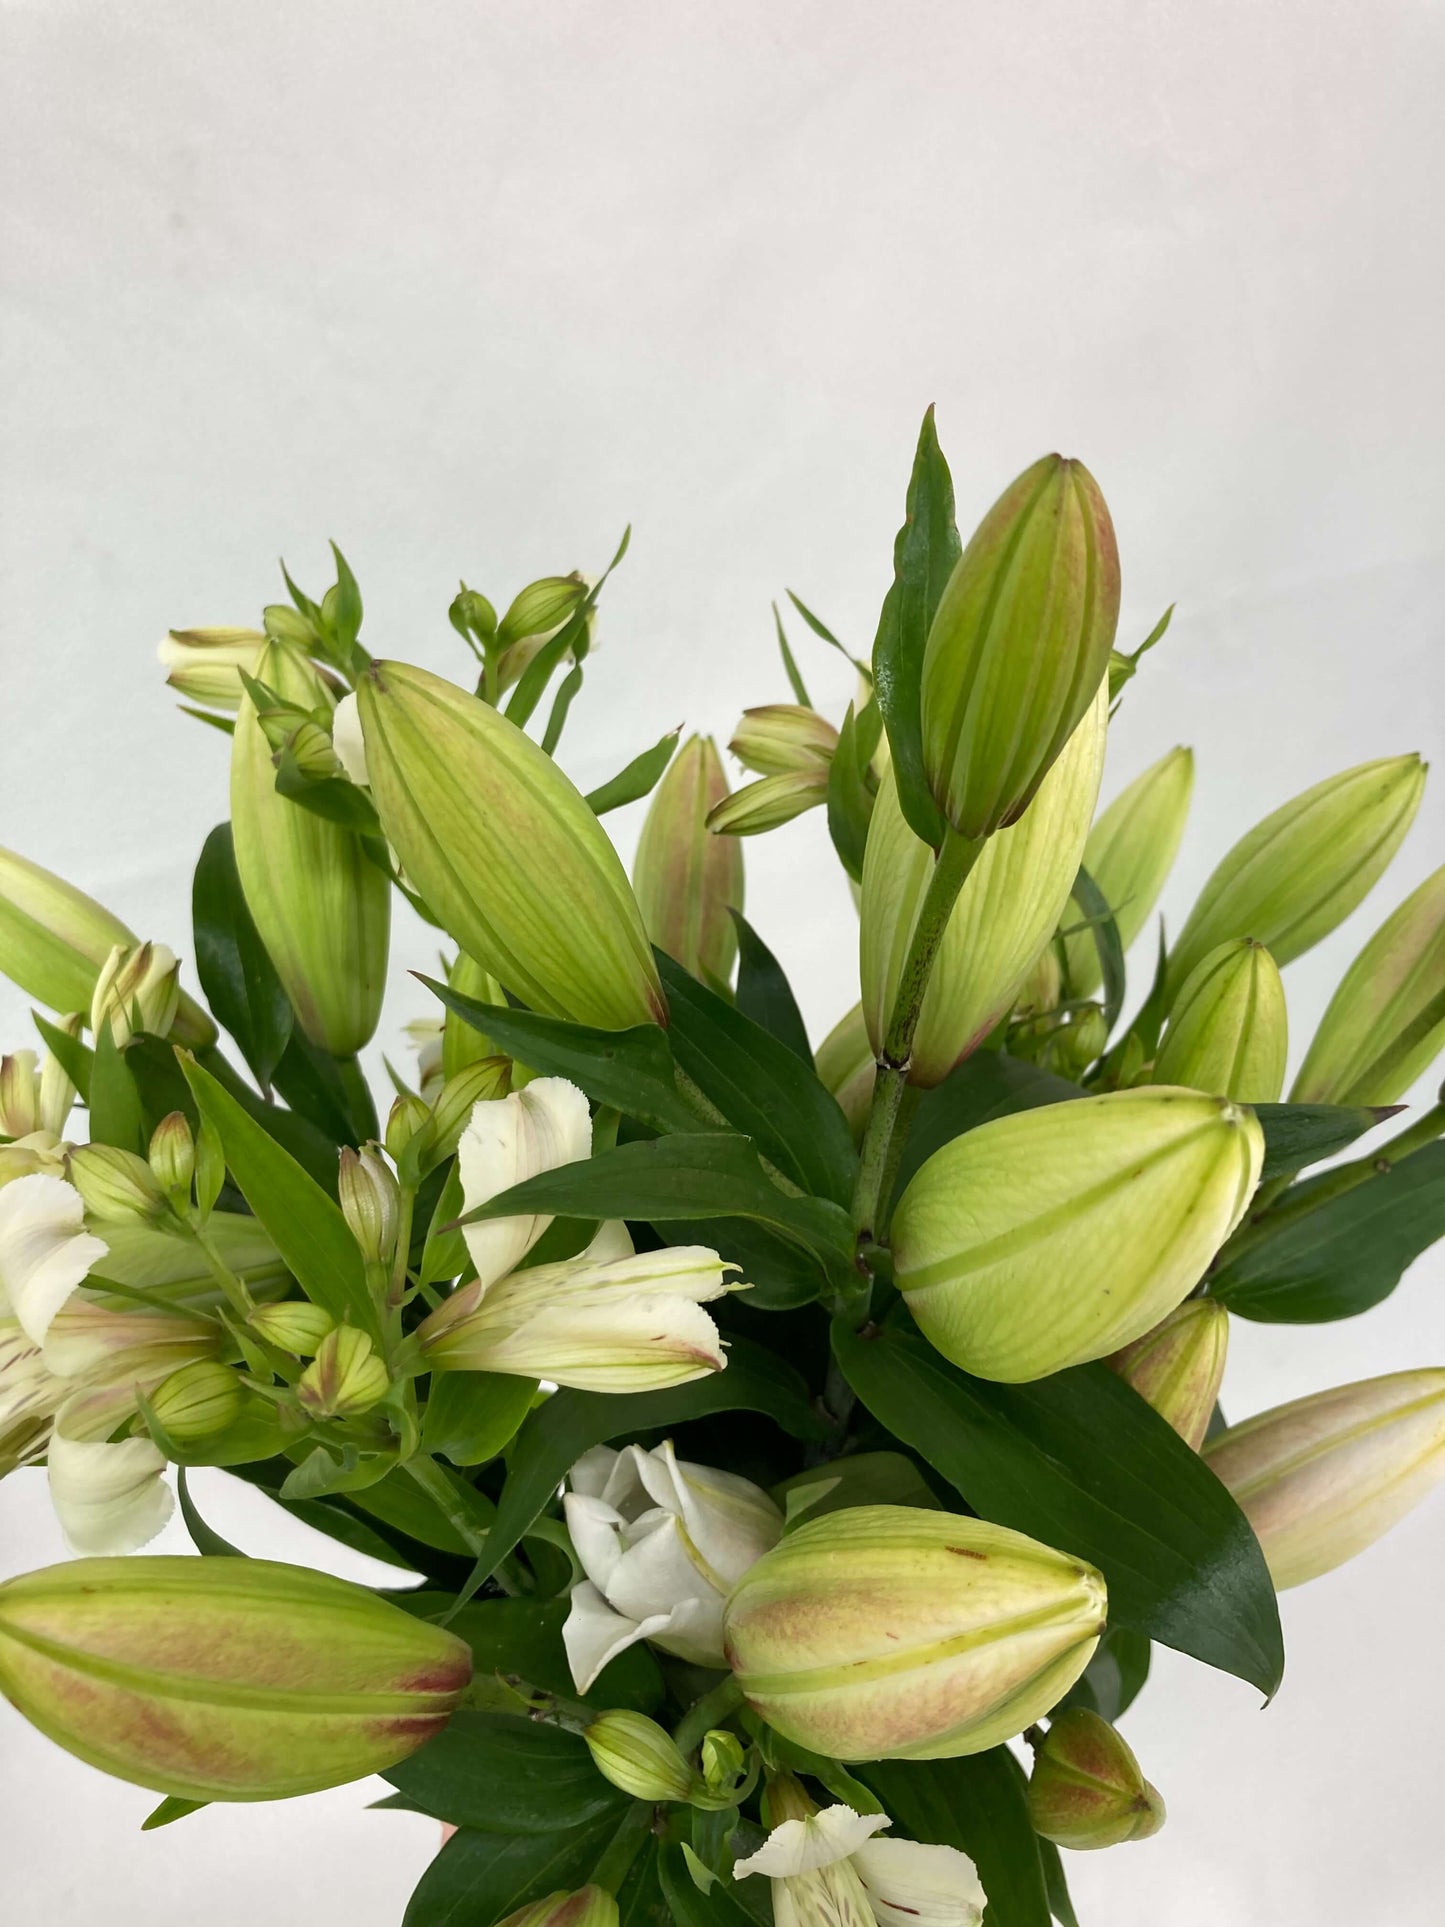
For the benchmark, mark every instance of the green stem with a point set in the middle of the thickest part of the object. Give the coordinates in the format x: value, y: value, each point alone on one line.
x: 712, y: 1710
x: 238, y: 1297
x: 612, y: 1869
x: 397, y: 1287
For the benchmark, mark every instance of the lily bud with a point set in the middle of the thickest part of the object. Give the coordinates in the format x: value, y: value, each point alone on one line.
x: 1056, y: 1235
x: 1376, y: 1037
x: 1229, y: 1030
x: 506, y: 852
x: 205, y: 664
x: 296, y: 1326
x: 1005, y: 915
x: 1294, y: 876
x: 927, y: 1635
x: 407, y: 1116
x: 346, y: 1377
x: 322, y: 907
x: 688, y: 881
x: 224, y: 1679
x: 116, y: 1185
x: 197, y: 1401
x: 1129, y: 854
x: 846, y: 1066
x: 1179, y: 1366
x: 1019, y: 645
x: 1323, y: 1477
x: 173, y: 1156
x: 769, y: 803
x: 635, y: 1754
x: 588, y: 1907
x: 461, y: 1044
x: 138, y: 989
x: 479, y: 1083
x: 370, y: 1200
x: 1086, y: 1789
x: 1043, y: 988
x: 779, y: 737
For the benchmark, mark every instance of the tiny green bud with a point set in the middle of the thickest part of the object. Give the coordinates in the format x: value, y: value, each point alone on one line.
x: 769, y: 803
x: 138, y: 988
x: 1079, y: 1043
x: 408, y: 1115
x: 1129, y: 854
x: 541, y: 608
x: 295, y: 1325
x: 687, y: 881
x: 723, y: 1761
x: 1178, y: 1367
x: 1229, y: 1030
x: 635, y: 1754
x: 472, y: 612
x: 311, y: 750
x: 1086, y: 1789
x: 780, y: 737
x: 173, y: 1156
x: 588, y: 1907
x: 116, y: 1186
x: 346, y: 1377
x: 197, y: 1400
x: 370, y: 1202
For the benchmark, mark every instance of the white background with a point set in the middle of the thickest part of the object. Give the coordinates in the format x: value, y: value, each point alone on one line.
x: 468, y: 286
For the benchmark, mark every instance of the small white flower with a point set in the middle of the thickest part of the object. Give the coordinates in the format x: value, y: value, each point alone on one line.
x: 828, y: 1868
x: 109, y: 1496
x: 507, y: 1140
x: 803, y: 1846
x: 348, y: 741
x: 30, y: 1394
x: 45, y: 1250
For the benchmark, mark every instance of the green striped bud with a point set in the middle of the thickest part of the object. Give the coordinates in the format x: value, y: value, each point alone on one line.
x: 506, y: 852
x: 224, y: 1679
x: 635, y: 1754
x: 1056, y: 1235
x: 884, y: 1633
x: 1323, y: 1477
x: 115, y: 1185
x: 370, y: 1201
x: 1229, y: 1030
x: 1294, y: 876
x: 1129, y: 854
x: 845, y: 1063
x: 588, y: 1907
x: 1019, y: 645
x: 769, y: 803
x: 295, y: 1325
x: 172, y: 1156
x: 688, y: 882
x: 322, y: 907
x: 138, y: 989
x: 539, y: 610
x: 779, y: 737
x: 1178, y: 1367
x: 197, y: 1401
x: 346, y: 1377
x: 408, y: 1115
x: 1086, y: 1789
x: 1386, y: 1022
x: 480, y: 1083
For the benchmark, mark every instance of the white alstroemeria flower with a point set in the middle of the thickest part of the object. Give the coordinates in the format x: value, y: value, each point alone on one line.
x: 829, y: 1871
x: 662, y: 1544
x: 38, y: 1151
x: 426, y: 1035
x: 30, y: 1395
x: 348, y: 741
x: 35, y: 1095
x: 45, y: 1249
x: 507, y: 1140
x: 206, y: 664
x: 109, y: 1496
x: 104, y: 1345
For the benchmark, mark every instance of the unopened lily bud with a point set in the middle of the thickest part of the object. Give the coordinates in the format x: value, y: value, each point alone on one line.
x: 588, y: 1907
x: 1179, y: 1366
x: 1323, y: 1477
x: 197, y: 1401
x: 779, y: 737
x: 1079, y: 1043
x: 462, y: 1044
x: 846, y: 1066
x: 206, y: 664
x: 1086, y: 1789
x: 1056, y: 1235
x: 1229, y: 1029
x: 116, y: 1185
x: 408, y: 1115
x: 1305, y: 867
x: 322, y: 907
x: 1386, y: 1022
x: 479, y: 1083
x: 927, y: 1635
x: 138, y: 989
x: 346, y: 1377
x: 1129, y: 854
x: 224, y: 1679
x: 1005, y: 916
x: 769, y: 803
x: 296, y: 1326
x: 687, y: 880
x: 506, y: 852
x: 1019, y: 645
x: 173, y: 1156
x: 539, y: 610
x: 370, y: 1200
x: 634, y: 1753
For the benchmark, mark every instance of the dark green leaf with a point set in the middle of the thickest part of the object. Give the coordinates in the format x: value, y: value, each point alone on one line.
x: 170, y: 1809
x: 978, y: 1804
x: 1299, y: 1134
x: 764, y: 993
x: 522, y: 1639
x: 1056, y: 1882
x: 851, y: 787
x: 561, y: 704
x: 719, y: 1907
x: 506, y: 1774
x: 404, y: 1505
x: 346, y: 608
x: 74, y: 1057
x: 238, y: 977
x: 781, y: 1275
x: 638, y: 779
x: 1079, y: 1461
x: 1099, y: 915
x: 790, y: 667
x: 327, y: 1091
x: 208, y: 1543
x: 479, y: 1878
x: 1114, y: 1677
x: 640, y: 1899
x: 116, y: 1116
x: 823, y: 632
x: 987, y: 1085
x: 472, y: 1416
x: 336, y: 798
x: 313, y: 1149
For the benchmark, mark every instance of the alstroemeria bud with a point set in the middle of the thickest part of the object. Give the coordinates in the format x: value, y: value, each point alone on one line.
x: 539, y: 610
x: 1056, y: 1235
x: 407, y: 1116
x: 1019, y: 645
x: 1086, y: 1789
x: 769, y: 803
x: 1229, y: 1029
x: 481, y: 1082
x: 506, y: 852
x: 1042, y: 988
x: 845, y: 1063
x: 205, y: 664
x: 1179, y: 1366
x: 1294, y: 876
x: 1377, y: 1035
x: 370, y: 1200
x: 138, y: 989
x: 1079, y: 1043
x: 116, y: 1185
x: 588, y: 1907
x: 1005, y: 915
x: 224, y: 1679
x: 926, y: 1635
x: 313, y: 752
x: 723, y: 1760
x: 197, y: 1401
x: 635, y: 1754
x: 346, y: 1377
x: 173, y: 1156
x: 779, y: 737
x: 1129, y: 854
x: 295, y: 1325
x: 1323, y: 1477
x: 687, y: 880
x: 322, y: 907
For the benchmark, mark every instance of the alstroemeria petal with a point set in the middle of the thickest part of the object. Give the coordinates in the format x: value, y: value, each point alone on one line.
x: 109, y: 1498
x: 634, y: 1345
x: 803, y: 1846
x: 507, y: 1140
x: 348, y: 741
x: 910, y: 1884
x: 45, y: 1250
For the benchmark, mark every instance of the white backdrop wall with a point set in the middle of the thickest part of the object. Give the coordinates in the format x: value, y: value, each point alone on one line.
x: 468, y: 286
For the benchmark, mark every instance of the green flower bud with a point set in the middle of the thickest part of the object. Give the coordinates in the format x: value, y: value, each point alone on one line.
x: 1386, y: 1022
x: 346, y: 1377
x: 479, y: 1083
x: 206, y: 664
x: 1229, y: 1030
x: 769, y: 803
x: 173, y: 1156
x: 1179, y: 1366
x: 1129, y: 854
x: 296, y: 1326
x: 506, y: 852
x: 1086, y: 1789
x: 461, y: 1044
x: 407, y: 1116
x: 311, y: 749
x: 1079, y: 1043
x: 1005, y: 915
x: 322, y: 907
x: 845, y: 1063
x: 634, y: 1753
x: 224, y: 1679
x: 926, y: 1635
x: 1056, y: 1235
x: 115, y: 1185
x: 688, y: 881
x: 370, y: 1201
x: 782, y: 737
x: 723, y: 1761
x: 197, y: 1400
x: 1043, y: 988
x: 541, y: 608
x: 588, y: 1907
x: 1019, y: 645
x: 1303, y: 869
x: 138, y: 988
x: 1323, y: 1477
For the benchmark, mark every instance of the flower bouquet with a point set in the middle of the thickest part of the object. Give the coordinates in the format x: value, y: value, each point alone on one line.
x: 797, y: 1452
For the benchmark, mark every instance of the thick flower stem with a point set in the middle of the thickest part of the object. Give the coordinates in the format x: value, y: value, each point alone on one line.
x: 712, y: 1710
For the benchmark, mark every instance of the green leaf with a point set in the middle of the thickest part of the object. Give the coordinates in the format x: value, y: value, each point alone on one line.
x: 74, y: 1057
x: 978, y: 1804
x: 987, y: 1085
x: 764, y: 994
x: 781, y: 1276
x: 790, y: 667
x: 522, y: 1639
x: 640, y: 777
x: 640, y: 1899
x: 238, y: 977
x: 444, y: 1255
x: 336, y: 798
x: 170, y: 1809
x: 1107, y: 942
x: 308, y: 1229
x: 851, y: 787
x: 1299, y: 1134
x: 1114, y: 1677
x: 313, y: 1149
x: 1056, y: 1882
x: 718, y: 1907
x: 398, y: 1501
x: 327, y: 1091
x: 479, y: 1878
x: 923, y: 557
x: 1080, y: 1462
x: 504, y: 1773
x: 210, y: 1544
x: 760, y: 1087
x: 1346, y: 1254
x: 116, y: 1116
x: 561, y: 703
x: 346, y: 608
x: 472, y: 1416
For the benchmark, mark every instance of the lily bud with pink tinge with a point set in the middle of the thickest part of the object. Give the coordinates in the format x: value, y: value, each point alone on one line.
x: 1178, y: 1367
